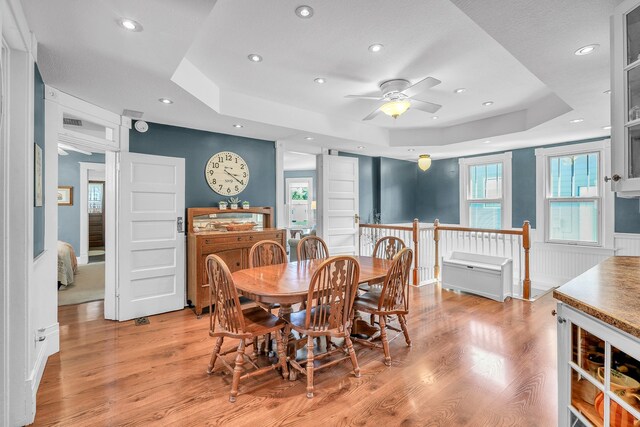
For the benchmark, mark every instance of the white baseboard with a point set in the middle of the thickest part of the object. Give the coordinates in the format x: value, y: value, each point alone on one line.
x: 83, y: 259
x: 50, y: 345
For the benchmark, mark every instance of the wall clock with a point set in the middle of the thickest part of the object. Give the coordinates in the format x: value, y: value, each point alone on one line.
x: 227, y: 173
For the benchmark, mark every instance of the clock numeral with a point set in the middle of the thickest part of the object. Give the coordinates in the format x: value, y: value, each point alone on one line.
x: 220, y: 187
x: 220, y: 159
x: 210, y: 172
x: 216, y: 165
x: 237, y: 189
x: 228, y: 157
x: 228, y: 190
x: 214, y: 181
x: 241, y: 166
x: 244, y: 174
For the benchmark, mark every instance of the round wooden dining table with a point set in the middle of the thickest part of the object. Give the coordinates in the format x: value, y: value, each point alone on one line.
x: 288, y: 284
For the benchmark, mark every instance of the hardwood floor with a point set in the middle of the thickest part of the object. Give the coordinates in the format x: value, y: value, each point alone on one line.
x: 474, y: 362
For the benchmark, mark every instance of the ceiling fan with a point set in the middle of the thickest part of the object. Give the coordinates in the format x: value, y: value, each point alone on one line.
x: 399, y: 95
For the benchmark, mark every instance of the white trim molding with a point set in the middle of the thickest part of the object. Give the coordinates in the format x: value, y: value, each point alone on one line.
x: 607, y: 206
x: 465, y: 163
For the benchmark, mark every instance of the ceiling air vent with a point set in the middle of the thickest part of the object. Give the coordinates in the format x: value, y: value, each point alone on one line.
x: 132, y: 113
x: 71, y: 122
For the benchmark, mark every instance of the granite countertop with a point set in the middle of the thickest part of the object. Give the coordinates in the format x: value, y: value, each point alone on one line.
x: 610, y: 292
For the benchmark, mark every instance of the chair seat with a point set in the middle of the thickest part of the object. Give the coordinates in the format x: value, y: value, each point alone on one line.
x: 368, y: 301
x: 260, y: 322
x: 297, y: 319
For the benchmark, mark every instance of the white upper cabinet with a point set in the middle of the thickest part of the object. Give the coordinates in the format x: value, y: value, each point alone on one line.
x: 625, y: 99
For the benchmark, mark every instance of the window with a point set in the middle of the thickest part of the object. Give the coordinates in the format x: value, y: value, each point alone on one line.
x: 96, y: 192
x: 571, y: 198
x: 485, y: 191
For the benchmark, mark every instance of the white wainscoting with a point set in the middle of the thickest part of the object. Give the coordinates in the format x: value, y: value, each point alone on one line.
x: 554, y: 264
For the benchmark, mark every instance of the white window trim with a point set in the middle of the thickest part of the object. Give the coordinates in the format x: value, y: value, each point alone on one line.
x: 505, y: 159
x: 606, y: 208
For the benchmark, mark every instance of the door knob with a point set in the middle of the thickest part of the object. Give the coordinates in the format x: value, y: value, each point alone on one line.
x: 614, y: 178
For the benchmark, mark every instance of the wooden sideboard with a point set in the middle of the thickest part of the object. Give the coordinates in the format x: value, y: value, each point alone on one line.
x: 232, y: 246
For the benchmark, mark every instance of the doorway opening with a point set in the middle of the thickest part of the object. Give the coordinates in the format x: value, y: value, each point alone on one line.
x: 300, y: 204
x: 81, y: 225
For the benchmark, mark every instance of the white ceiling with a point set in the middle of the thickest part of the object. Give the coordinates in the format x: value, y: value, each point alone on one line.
x: 518, y: 54
x: 295, y: 160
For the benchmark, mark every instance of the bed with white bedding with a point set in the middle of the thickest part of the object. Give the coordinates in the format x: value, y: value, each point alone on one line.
x: 67, y: 263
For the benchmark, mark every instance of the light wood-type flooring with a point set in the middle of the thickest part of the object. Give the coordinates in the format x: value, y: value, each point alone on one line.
x: 474, y: 362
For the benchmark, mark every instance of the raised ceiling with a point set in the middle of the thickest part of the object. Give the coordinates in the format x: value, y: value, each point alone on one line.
x: 518, y: 54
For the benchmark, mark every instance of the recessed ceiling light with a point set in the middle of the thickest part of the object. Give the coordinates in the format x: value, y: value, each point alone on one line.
x: 606, y: 127
x: 304, y: 12
x: 487, y: 142
x: 308, y: 138
x: 254, y: 57
x: 487, y: 103
x: 607, y: 92
x: 238, y: 126
x: 411, y: 150
x: 130, y: 25
x: 576, y: 121
x: 319, y: 80
x: 360, y: 147
x: 460, y: 90
x: 165, y: 101
x: 586, y: 50
x: 434, y: 118
x: 375, y: 48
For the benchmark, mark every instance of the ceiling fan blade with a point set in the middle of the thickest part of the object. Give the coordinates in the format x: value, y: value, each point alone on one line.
x: 72, y: 148
x: 376, y: 98
x: 429, y: 107
x: 373, y: 114
x: 421, y: 86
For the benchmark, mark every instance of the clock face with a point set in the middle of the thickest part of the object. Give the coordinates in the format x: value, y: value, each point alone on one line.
x: 227, y: 173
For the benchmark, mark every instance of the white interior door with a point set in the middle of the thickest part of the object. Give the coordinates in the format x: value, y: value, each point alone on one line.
x: 338, y: 196
x: 151, y: 240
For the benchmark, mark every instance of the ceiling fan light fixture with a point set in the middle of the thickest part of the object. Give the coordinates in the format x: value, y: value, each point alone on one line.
x: 395, y: 108
x: 424, y: 162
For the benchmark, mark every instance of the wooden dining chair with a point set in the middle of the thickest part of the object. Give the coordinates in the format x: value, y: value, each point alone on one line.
x: 392, y: 299
x: 267, y: 252
x: 312, y: 247
x: 329, y: 313
x: 229, y: 320
x: 387, y: 247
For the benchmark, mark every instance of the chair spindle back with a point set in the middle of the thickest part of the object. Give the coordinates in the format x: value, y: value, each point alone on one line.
x: 333, y: 288
x: 267, y: 252
x: 387, y: 247
x: 312, y: 247
x: 395, y: 291
x: 223, y: 294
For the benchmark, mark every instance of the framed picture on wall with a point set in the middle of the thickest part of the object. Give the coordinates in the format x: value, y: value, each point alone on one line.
x: 37, y: 171
x: 65, y: 196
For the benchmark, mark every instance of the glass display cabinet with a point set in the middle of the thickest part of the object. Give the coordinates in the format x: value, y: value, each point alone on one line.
x: 625, y: 99
x: 598, y: 372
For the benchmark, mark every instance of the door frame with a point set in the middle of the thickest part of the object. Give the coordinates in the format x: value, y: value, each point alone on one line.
x: 85, y: 167
x: 56, y: 102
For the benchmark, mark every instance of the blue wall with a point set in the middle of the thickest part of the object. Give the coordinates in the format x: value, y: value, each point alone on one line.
x: 38, y: 136
x: 69, y: 216
x: 438, y: 193
x: 197, y: 146
x: 398, y: 181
